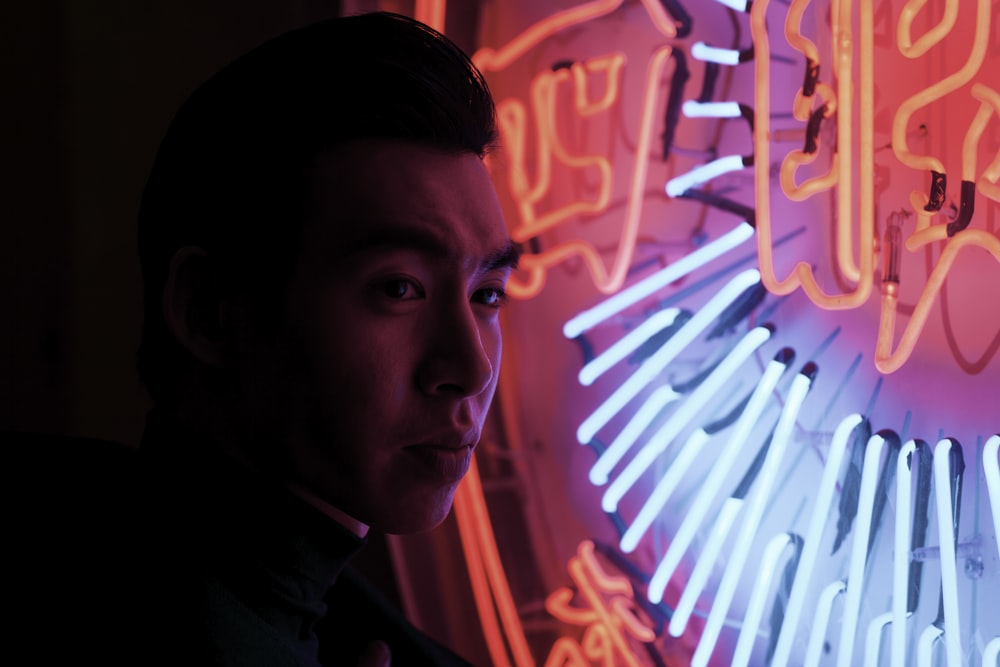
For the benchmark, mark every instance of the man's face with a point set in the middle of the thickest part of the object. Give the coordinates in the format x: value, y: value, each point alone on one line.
x: 389, y: 344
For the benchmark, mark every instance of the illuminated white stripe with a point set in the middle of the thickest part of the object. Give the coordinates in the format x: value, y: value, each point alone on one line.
x: 859, y: 549
x: 662, y: 358
x: 639, y: 291
x: 738, y: 5
x: 946, y: 538
x: 714, y: 54
x: 925, y: 645
x: 619, y: 447
x: 684, y: 413
x: 693, y: 109
x: 991, y: 467
x: 873, y: 638
x: 703, y: 566
x: 814, y: 534
x: 755, y: 510
x: 991, y: 654
x: 901, y: 555
x: 702, y: 174
x: 824, y: 607
x: 758, y: 597
x: 710, y: 489
x: 626, y: 345
x: 666, y: 486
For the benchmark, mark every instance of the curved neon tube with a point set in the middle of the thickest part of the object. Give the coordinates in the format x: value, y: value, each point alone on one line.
x: 694, y: 109
x: 748, y: 529
x: 710, y: 489
x: 631, y: 295
x: 859, y: 549
x: 814, y: 533
x: 652, y: 367
x: 713, y: 54
x: 626, y: 345
x: 873, y: 638
x: 623, y: 442
x: 698, y: 399
x: 824, y: 607
x: 758, y: 597
x: 925, y: 645
x: 946, y: 538
x: 991, y: 654
x: 991, y: 468
x: 901, y: 552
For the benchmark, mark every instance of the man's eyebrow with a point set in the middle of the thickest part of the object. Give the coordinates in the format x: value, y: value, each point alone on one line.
x: 502, y: 258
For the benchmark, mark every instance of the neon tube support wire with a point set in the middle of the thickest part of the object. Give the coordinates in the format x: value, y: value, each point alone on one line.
x: 991, y: 467
x: 700, y: 397
x: 627, y: 344
x: 755, y: 510
x: 758, y: 597
x: 629, y: 296
x: 814, y: 534
x: 652, y: 367
x: 824, y: 608
x: 946, y: 538
x: 901, y: 556
x: 859, y: 549
x: 726, y: 458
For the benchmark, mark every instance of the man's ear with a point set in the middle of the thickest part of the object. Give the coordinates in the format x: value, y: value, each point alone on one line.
x: 193, y: 306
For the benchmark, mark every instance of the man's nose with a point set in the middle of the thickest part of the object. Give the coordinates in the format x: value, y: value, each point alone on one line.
x: 460, y: 353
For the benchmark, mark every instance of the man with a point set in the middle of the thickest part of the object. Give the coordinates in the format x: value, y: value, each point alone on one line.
x: 324, y: 261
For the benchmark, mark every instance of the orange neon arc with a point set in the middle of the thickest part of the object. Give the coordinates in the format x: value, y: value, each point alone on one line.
x: 515, y: 117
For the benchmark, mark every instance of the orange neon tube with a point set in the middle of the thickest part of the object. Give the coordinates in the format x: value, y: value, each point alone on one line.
x: 431, y: 12
x: 802, y: 275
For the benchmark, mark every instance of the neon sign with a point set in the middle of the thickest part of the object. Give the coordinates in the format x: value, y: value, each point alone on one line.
x: 691, y: 422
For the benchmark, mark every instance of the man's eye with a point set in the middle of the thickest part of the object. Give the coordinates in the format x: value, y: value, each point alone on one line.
x: 400, y: 288
x: 491, y: 296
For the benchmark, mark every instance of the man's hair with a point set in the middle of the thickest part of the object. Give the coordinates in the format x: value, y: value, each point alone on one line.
x: 230, y: 174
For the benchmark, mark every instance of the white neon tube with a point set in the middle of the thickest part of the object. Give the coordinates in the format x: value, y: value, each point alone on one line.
x: 700, y: 397
x: 925, y: 645
x: 639, y: 291
x: 710, y: 489
x: 859, y: 549
x: 653, y: 366
x: 626, y: 345
x: 703, y: 566
x: 751, y: 521
x: 714, y: 54
x: 738, y: 5
x: 667, y: 485
x: 946, y: 538
x: 658, y: 400
x: 758, y: 598
x: 824, y: 607
x: 873, y: 638
x: 991, y: 654
x: 814, y: 534
x: 693, y: 109
x: 991, y: 468
x: 678, y: 185
x: 901, y: 551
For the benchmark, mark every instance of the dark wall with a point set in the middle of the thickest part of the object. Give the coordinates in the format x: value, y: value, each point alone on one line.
x: 87, y: 88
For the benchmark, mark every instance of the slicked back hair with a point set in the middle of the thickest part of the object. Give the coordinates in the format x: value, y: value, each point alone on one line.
x: 230, y: 174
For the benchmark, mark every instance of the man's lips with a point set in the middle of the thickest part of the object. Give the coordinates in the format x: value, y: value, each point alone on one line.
x: 446, y: 463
